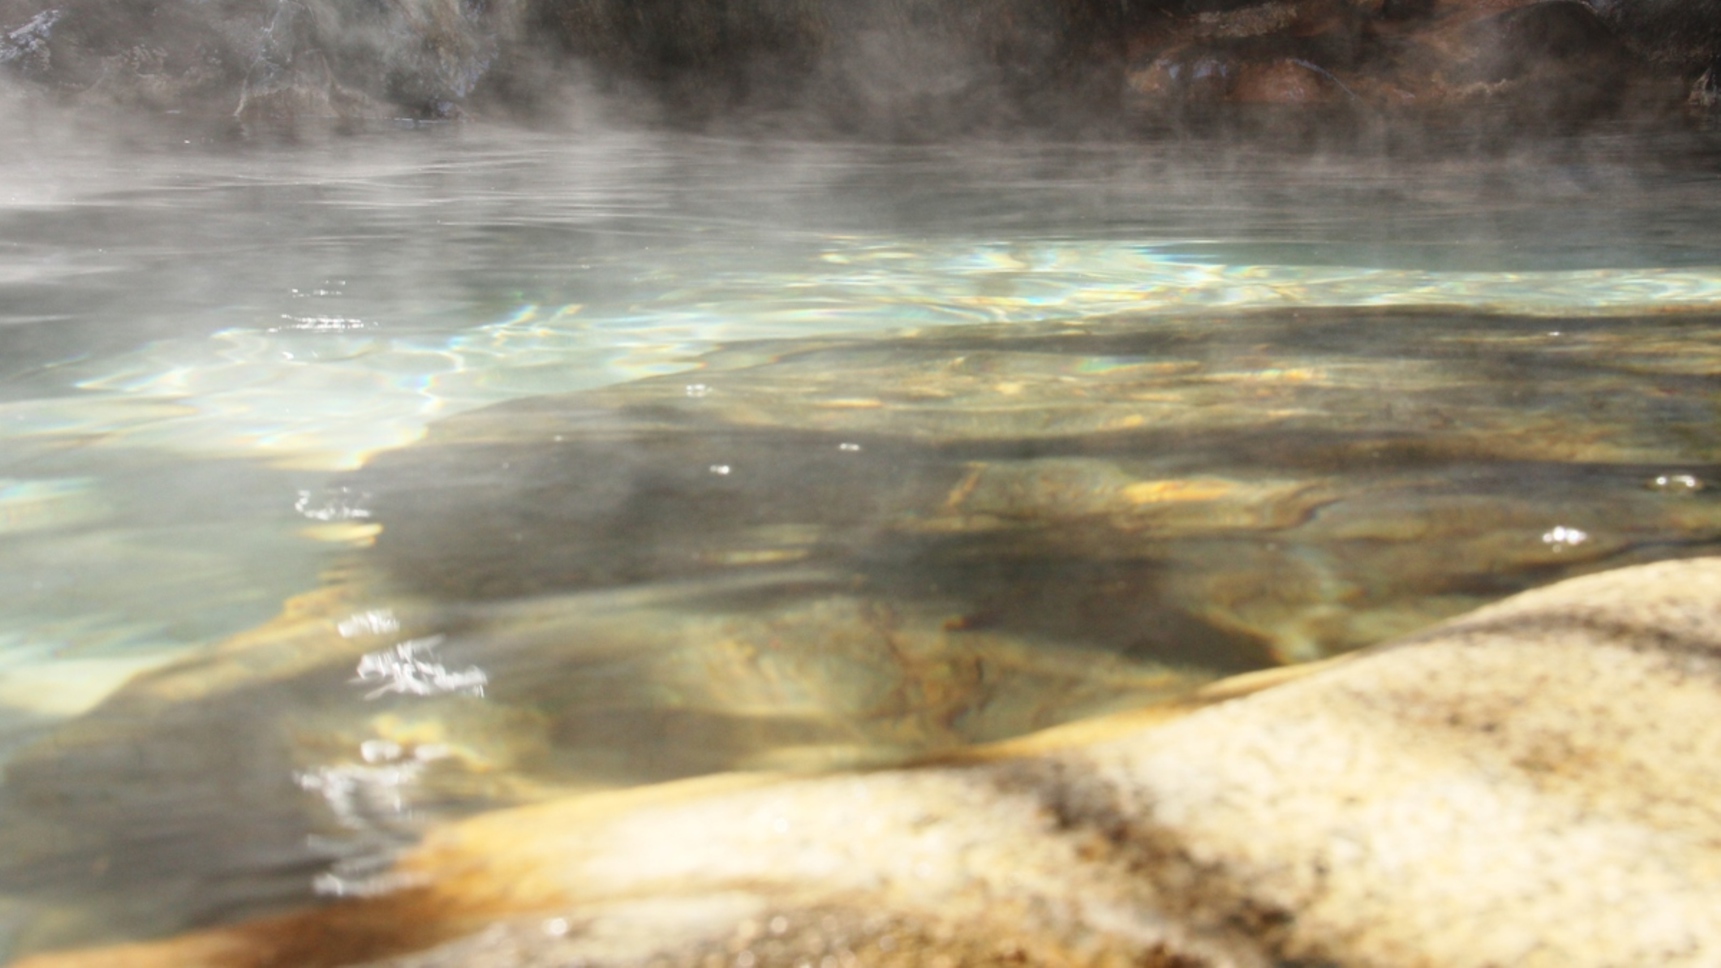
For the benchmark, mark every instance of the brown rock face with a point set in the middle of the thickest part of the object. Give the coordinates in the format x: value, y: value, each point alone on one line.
x: 1541, y: 63
x: 1530, y: 784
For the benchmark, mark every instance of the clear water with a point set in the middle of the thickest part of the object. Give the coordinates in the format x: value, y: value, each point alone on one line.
x: 204, y: 338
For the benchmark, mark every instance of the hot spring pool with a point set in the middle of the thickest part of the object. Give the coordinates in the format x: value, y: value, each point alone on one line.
x: 437, y: 468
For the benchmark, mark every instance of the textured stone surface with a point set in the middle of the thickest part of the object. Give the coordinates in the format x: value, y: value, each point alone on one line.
x: 1531, y: 784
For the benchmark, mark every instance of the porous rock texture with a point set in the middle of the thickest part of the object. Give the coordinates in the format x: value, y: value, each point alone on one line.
x: 1531, y: 784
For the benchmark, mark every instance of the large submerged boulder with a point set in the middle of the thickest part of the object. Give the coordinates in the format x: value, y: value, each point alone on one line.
x: 1533, y: 783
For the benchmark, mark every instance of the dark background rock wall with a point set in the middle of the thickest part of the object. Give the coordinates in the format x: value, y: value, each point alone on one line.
x: 888, y: 67
x: 868, y: 63
x: 436, y: 58
x: 261, y: 58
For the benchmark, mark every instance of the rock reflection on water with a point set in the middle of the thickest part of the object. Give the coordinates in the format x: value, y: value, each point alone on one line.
x: 842, y: 552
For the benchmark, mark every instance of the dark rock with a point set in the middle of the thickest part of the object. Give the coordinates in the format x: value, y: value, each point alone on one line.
x: 1682, y: 35
x: 1535, y: 64
x: 1561, y: 35
x: 1706, y: 92
x: 1558, y: 57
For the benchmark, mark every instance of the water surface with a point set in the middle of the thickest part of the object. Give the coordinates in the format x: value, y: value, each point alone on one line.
x: 797, y: 455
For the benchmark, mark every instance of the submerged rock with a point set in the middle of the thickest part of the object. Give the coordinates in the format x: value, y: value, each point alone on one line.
x: 1210, y: 490
x: 298, y: 759
x: 1530, y: 784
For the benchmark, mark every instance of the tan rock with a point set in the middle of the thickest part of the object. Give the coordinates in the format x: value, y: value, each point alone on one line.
x: 1531, y: 784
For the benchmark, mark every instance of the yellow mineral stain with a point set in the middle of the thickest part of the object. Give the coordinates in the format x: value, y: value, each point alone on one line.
x: 964, y: 488
x: 1167, y: 492
x: 955, y: 525
x: 1272, y: 375
x: 760, y: 556
x: 850, y: 403
x: 344, y: 532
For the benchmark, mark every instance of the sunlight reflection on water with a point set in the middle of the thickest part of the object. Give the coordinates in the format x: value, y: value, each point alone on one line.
x: 327, y: 396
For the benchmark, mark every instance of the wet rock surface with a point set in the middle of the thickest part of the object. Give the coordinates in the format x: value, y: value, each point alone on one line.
x: 1532, y: 783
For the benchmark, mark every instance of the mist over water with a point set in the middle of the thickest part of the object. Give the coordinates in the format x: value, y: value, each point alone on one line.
x: 212, y: 332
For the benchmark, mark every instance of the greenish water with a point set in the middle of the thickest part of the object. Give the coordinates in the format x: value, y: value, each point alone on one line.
x: 870, y: 451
